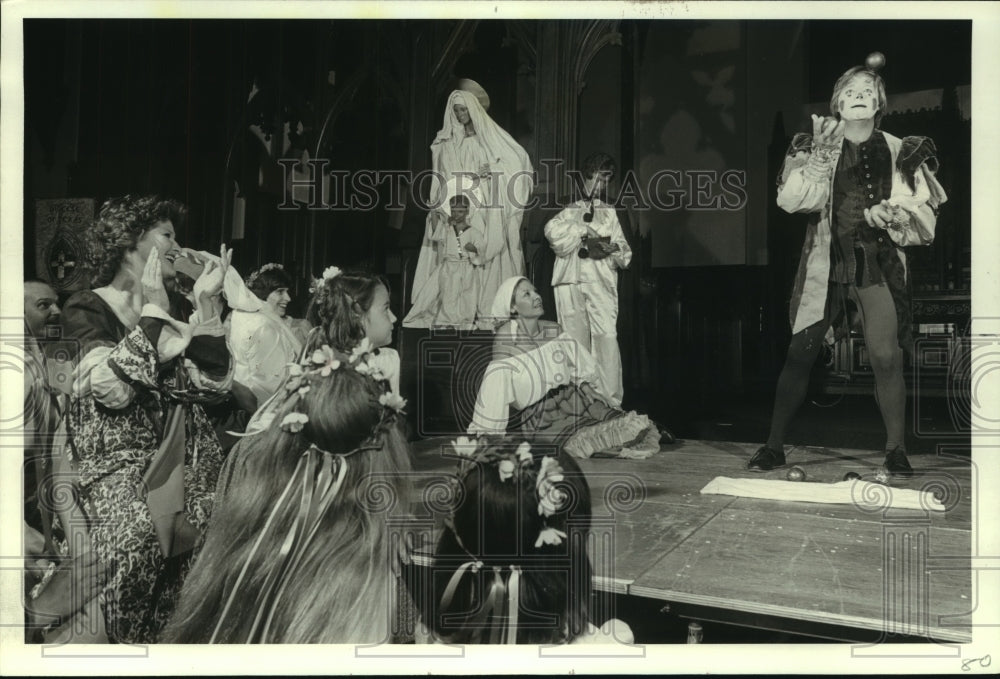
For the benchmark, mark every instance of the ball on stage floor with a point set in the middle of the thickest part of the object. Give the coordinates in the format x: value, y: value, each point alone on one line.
x: 882, y: 475
x: 852, y: 476
x: 796, y: 474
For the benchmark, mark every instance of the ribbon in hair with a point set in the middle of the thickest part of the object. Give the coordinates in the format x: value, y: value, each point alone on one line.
x: 316, y: 493
x: 501, y: 602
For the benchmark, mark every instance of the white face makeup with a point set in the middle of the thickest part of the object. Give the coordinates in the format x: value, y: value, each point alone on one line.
x: 859, y: 98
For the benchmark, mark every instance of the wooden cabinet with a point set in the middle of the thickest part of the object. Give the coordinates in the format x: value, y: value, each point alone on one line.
x: 939, y: 365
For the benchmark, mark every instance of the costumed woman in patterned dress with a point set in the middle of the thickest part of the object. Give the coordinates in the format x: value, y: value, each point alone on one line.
x: 551, y: 382
x: 472, y: 146
x: 868, y: 195
x: 147, y: 457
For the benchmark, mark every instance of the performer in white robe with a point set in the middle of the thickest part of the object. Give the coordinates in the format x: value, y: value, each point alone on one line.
x: 261, y: 340
x: 470, y: 144
x: 451, y: 295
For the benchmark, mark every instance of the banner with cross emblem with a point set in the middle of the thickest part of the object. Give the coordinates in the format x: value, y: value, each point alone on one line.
x: 62, y: 229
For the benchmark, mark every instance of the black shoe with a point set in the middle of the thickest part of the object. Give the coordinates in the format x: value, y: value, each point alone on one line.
x: 897, y: 464
x: 666, y: 436
x: 766, y: 459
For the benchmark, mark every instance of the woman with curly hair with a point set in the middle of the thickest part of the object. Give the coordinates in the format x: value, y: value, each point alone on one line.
x: 299, y: 549
x: 261, y: 337
x: 512, y: 564
x: 146, y: 455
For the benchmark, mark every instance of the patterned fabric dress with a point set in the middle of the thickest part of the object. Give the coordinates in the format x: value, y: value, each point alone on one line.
x: 122, y: 396
x: 547, y: 393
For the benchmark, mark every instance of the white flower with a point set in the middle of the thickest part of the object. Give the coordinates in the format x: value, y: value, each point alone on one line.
x: 294, y: 370
x: 394, y: 401
x: 364, y: 347
x: 550, y: 536
x: 331, y: 272
x: 550, y: 503
x: 464, y: 446
x: 550, y: 498
x: 524, y: 452
x: 293, y: 422
x: 322, y: 355
x: 325, y: 360
x: 304, y: 390
x: 506, y: 469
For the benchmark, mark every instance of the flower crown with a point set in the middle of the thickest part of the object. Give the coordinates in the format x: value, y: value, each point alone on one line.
x: 323, y: 362
x: 551, y: 498
x: 329, y: 273
x: 314, y: 484
x: 267, y: 267
x: 501, y: 599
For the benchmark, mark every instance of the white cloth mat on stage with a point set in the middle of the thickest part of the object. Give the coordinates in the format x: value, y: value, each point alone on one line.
x: 864, y: 494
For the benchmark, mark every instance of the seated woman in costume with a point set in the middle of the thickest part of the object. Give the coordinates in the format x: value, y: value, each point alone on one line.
x: 512, y: 564
x: 548, y: 378
x: 260, y: 334
x: 299, y: 550
x: 147, y: 362
x: 350, y: 311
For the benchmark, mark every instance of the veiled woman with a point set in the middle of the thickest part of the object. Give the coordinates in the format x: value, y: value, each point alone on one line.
x: 470, y: 144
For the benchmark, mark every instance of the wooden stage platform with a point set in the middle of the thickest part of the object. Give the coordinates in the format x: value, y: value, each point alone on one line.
x: 835, y: 571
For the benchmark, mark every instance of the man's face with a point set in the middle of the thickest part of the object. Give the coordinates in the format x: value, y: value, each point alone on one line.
x: 41, y: 308
x: 859, y: 98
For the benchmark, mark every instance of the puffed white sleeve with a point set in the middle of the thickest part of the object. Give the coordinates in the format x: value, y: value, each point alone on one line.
x: 565, y: 232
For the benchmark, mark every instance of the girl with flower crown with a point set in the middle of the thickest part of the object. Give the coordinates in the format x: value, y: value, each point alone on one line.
x: 512, y: 565
x: 260, y: 335
x: 552, y: 385
x: 299, y: 549
x: 350, y: 312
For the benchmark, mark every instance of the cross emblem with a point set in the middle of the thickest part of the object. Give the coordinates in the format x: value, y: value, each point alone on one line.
x: 61, y: 264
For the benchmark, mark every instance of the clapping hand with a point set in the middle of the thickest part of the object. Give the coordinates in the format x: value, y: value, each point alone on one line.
x: 210, y: 282
x: 153, y: 291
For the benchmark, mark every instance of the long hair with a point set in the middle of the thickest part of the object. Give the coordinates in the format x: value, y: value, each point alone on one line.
x: 340, y: 590
x: 339, y: 306
x: 497, y: 523
x: 119, y: 226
